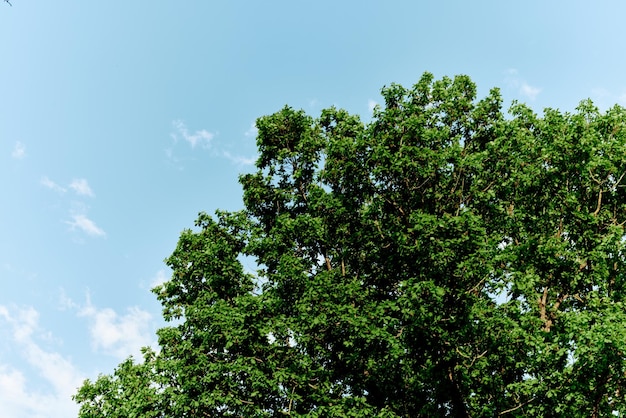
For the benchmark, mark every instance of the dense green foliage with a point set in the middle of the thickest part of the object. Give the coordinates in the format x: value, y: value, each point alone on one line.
x: 441, y: 260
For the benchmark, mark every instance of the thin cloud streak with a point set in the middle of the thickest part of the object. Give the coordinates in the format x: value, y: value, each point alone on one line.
x: 201, y: 137
x: 86, y: 225
x: 205, y: 139
x: 239, y: 159
x: 46, y: 182
x: 81, y: 187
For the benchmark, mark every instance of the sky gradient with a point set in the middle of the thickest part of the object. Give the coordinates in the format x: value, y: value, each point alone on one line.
x: 120, y: 121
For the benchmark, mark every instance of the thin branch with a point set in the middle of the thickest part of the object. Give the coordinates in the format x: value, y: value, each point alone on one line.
x: 481, y: 355
x: 489, y: 186
x: 620, y: 179
x: 474, y: 290
x: 517, y: 407
x: 558, y: 302
x: 291, y: 399
x: 594, y: 177
x: 543, y: 301
x: 599, y: 204
x: 461, y: 354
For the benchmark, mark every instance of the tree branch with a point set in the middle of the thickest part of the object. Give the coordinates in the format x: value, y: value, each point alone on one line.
x: 543, y: 302
x: 595, y: 213
x: 517, y: 407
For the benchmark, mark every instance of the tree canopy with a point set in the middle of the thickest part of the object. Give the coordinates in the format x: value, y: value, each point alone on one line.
x: 446, y: 258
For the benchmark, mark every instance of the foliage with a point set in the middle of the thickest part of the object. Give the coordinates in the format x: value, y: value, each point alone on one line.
x: 442, y: 259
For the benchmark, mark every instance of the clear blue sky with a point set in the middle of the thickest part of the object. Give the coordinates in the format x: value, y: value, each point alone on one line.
x: 121, y: 120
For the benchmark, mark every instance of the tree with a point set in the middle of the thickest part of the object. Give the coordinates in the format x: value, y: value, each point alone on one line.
x: 441, y: 260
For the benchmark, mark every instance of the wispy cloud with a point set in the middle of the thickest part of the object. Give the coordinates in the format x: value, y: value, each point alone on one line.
x: 252, y: 132
x: 529, y: 91
x: 514, y: 81
x: 17, y: 400
x: 118, y: 335
x: 79, y: 220
x: 81, y: 187
x: 46, y: 182
x: 83, y: 223
x: 159, y: 278
x: 205, y: 139
x: 239, y: 159
x: 23, y: 324
x: 371, y: 104
x: 65, y: 302
x: 19, y: 151
x: 201, y: 137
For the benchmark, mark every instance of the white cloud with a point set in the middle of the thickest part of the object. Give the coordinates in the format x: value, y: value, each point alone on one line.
x: 529, y: 91
x: 158, y: 279
x: 79, y: 219
x: 45, y: 181
x: 252, y: 132
x: 81, y: 187
x: 118, y: 335
x: 17, y: 399
x: 205, y: 139
x: 86, y: 225
x: 515, y: 82
x: 371, y: 104
x: 239, y: 159
x: 19, y: 151
x: 201, y: 137
x: 24, y: 324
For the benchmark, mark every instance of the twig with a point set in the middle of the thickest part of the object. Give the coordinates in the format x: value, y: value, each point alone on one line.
x: 594, y: 177
x: 517, y: 407
x: 291, y: 399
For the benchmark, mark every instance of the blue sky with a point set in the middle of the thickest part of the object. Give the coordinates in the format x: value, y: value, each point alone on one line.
x: 120, y: 121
